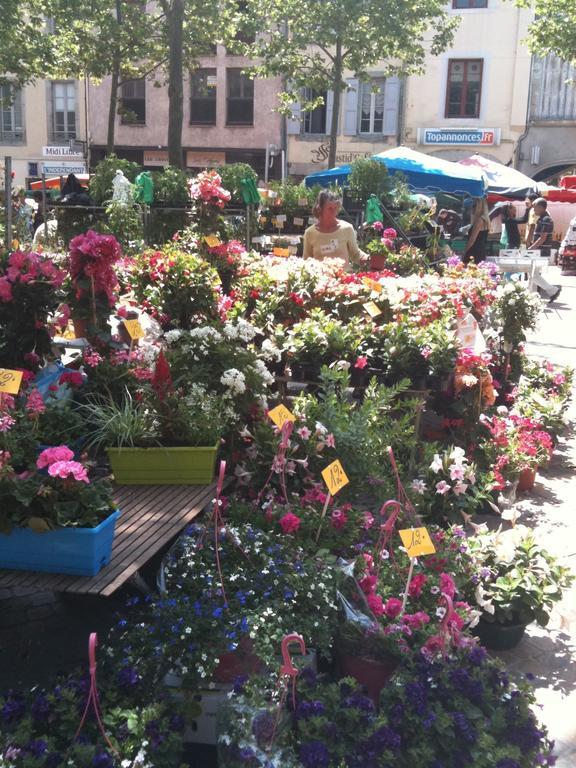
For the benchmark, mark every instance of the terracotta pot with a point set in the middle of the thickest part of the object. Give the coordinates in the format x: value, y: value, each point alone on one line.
x: 242, y: 661
x: 373, y: 675
x: 80, y: 327
x: 377, y: 261
x: 499, y: 637
x: 526, y: 480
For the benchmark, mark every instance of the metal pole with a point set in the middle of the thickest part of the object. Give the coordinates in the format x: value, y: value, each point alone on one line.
x: 44, y: 216
x: 248, y: 236
x: 8, y: 199
x: 266, y: 164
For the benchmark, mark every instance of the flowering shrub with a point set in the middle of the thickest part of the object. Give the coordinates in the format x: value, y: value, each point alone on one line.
x: 451, y: 489
x: 37, y: 727
x: 513, y: 578
x: 58, y: 494
x: 29, y: 291
x: 178, y: 289
x: 93, y: 279
x: 207, y: 189
x: 463, y: 710
x: 516, y: 311
x: 516, y: 443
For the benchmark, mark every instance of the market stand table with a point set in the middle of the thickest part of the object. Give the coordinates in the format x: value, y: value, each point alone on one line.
x: 150, y: 516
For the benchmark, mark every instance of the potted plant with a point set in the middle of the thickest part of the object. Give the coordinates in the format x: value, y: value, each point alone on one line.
x: 165, y: 435
x: 55, y: 518
x: 515, y: 581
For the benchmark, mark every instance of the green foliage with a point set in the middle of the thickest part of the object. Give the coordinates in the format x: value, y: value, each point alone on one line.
x: 551, y: 28
x: 232, y: 175
x: 27, y: 52
x: 101, y: 181
x: 171, y: 186
x: 369, y: 177
x: 125, y: 223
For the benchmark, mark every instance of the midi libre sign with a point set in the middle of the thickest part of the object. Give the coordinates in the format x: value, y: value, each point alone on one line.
x: 483, y: 137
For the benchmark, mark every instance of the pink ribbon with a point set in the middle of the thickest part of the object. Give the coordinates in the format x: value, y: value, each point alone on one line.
x: 93, y: 698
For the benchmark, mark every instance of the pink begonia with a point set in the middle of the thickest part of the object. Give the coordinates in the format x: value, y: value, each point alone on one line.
x: 304, y: 433
x: 92, y: 358
x: 338, y: 519
x: 442, y: 487
x: 6, y: 422
x: 52, y: 455
x: 361, y: 362
x: 35, y: 402
x: 65, y: 469
x: 392, y: 607
x: 5, y: 289
x: 289, y: 523
x: 375, y: 604
x: 330, y: 441
x: 559, y: 379
x: 447, y: 586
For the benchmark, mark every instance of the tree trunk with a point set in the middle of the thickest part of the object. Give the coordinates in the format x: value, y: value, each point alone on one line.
x: 338, y: 69
x: 175, y: 84
x: 113, y: 106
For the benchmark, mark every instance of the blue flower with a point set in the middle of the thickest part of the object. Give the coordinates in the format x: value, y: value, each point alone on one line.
x: 464, y: 727
x: 13, y: 710
x: 102, y: 760
x: 217, y: 613
x: 314, y: 754
x: 128, y: 677
x: 37, y: 747
x: 40, y: 708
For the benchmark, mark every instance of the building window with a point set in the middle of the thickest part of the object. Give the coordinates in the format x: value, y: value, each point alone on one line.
x: 11, y: 123
x: 240, y: 98
x: 315, y: 121
x: 203, y: 97
x: 469, y: 3
x: 63, y: 111
x: 464, y: 88
x: 133, y: 102
x: 372, y: 106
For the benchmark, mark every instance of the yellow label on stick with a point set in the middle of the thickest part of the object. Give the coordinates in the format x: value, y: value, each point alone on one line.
x: 10, y: 381
x: 135, y: 330
x: 280, y: 415
x: 281, y: 252
x: 212, y: 241
x: 374, y: 285
x: 335, y: 477
x: 372, y: 309
x: 417, y: 542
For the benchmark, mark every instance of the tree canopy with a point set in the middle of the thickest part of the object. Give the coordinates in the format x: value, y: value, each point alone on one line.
x: 313, y: 43
x: 552, y: 30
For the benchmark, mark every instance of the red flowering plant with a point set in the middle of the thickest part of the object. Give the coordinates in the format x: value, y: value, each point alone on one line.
x: 94, y: 284
x: 206, y: 188
x: 543, y: 394
x: 178, y: 289
x: 385, y: 616
x: 30, y: 290
x: 513, y: 444
x: 57, y: 493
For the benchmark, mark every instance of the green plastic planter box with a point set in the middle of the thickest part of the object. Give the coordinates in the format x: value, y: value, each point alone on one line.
x: 163, y: 466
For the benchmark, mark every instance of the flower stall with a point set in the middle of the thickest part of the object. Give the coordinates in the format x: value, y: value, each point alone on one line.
x: 368, y: 424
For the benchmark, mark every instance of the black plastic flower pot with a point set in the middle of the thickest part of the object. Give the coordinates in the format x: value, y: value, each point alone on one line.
x: 500, y: 637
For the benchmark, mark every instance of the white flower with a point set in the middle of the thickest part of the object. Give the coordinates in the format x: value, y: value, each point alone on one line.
x: 460, y: 488
x: 502, y: 410
x: 234, y: 380
x: 436, y: 465
x: 270, y: 351
x: 419, y: 486
x: 458, y: 455
x: 171, y: 336
x: 440, y: 612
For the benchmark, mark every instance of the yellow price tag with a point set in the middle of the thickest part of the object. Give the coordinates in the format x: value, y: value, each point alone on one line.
x: 212, y: 241
x: 372, y: 309
x: 335, y: 477
x: 417, y: 542
x: 281, y: 252
x: 374, y: 285
x: 10, y: 381
x: 280, y: 415
x: 135, y: 330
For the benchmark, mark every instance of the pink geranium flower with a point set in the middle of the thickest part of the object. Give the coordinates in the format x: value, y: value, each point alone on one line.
x: 290, y: 523
x: 375, y: 604
x: 51, y: 455
x: 392, y: 607
x: 65, y: 469
x: 361, y: 362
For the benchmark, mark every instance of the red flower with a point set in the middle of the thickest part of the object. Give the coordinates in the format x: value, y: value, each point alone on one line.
x: 392, y: 607
x: 297, y: 299
x: 375, y: 604
x: 361, y: 362
x: 417, y: 584
x: 289, y: 523
x: 74, y: 378
x: 162, y: 379
x: 367, y: 584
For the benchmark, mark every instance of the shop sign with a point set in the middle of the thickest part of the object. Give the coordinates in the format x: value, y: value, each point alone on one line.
x: 320, y: 155
x: 155, y: 157
x: 484, y: 137
x: 203, y: 159
x: 62, y: 169
x: 60, y: 151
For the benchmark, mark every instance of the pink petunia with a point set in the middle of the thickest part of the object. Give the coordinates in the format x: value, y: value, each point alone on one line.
x: 290, y: 523
x: 393, y: 607
x: 338, y: 519
x: 375, y: 604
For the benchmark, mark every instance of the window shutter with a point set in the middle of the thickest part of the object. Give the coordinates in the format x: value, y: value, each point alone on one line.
x: 294, y: 125
x: 391, y: 106
x: 18, y: 122
x: 351, y: 108
x: 329, y: 111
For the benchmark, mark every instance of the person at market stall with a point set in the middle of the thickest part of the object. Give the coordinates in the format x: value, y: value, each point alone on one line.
x: 543, y: 231
x: 567, y: 250
x: 330, y: 237
x: 478, y: 234
x: 507, y: 212
x: 529, y: 218
x: 450, y: 221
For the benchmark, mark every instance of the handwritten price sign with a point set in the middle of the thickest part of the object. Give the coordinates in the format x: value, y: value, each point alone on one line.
x: 212, y: 241
x: 10, y: 381
x: 417, y: 542
x: 135, y: 330
x: 335, y: 477
x: 280, y: 415
x: 372, y: 309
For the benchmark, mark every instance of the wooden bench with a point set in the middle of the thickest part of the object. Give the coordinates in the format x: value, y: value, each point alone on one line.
x: 151, y: 515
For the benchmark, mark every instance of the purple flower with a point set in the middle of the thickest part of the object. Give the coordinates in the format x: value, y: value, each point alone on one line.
x: 263, y: 729
x: 307, y: 709
x: 464, y: 727
x: 37, y: 747
x: 128, y: 677
x: 358, y: 701
x: 314, y: 754
x: 13, y: 709
x: 507, y: 762
x: 102, y: 760
x: 40, y: 708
